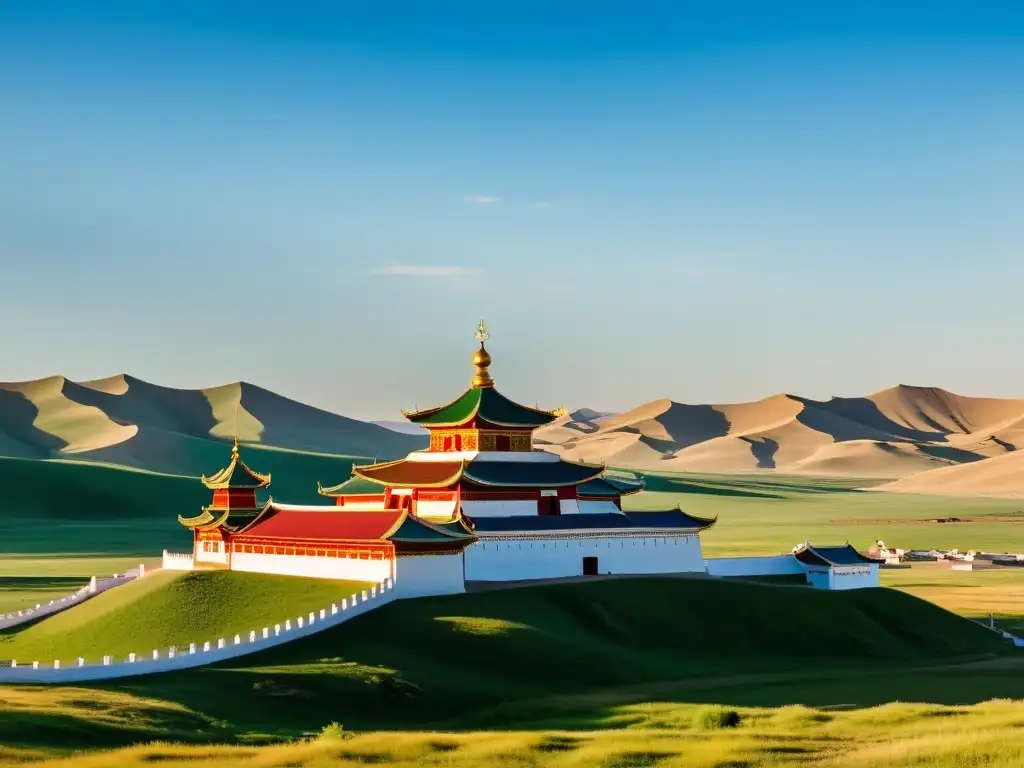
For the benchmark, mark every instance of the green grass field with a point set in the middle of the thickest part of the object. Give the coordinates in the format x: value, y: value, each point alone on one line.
x: 170, y: 608
x: 586, y: 673
x: 663, y: 735
x: 769, y: 514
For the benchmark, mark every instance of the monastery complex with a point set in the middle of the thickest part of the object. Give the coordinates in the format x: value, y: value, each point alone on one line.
x: 480, y: 504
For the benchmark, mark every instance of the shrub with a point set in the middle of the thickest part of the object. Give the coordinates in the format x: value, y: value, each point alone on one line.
x: 332, y: 732
x: 714, y: 718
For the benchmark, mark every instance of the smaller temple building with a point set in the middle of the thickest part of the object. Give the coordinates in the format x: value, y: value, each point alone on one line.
x: 836, y: 567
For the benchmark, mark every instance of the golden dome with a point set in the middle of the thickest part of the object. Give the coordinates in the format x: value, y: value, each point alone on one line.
x: 481, y: 359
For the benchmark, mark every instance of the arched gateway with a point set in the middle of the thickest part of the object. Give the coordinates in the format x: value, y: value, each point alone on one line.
x: 479, y: 504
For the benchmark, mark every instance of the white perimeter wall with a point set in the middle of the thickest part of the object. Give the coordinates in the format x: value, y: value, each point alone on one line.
x: 778, y: 565
x: 313, y: 567
x: 490, y: 560
x: 429, y: 575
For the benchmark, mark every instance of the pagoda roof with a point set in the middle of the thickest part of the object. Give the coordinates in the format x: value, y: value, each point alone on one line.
x: 412, y: 474
x: 236, y: 475
x: 408, y: 473
x: 354, y: 486
x: 530, y: 474
x: 485, y: 403
x: 606, y: 485
x: 830, y: 556
x: 231, y: 519
x: 328, y: 523
x: 666, y: 521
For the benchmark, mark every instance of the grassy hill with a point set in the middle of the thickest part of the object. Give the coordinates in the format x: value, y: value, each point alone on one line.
x: 61, y: 443
x: 62, y: 517
x: 551, y: 667
x: 486, y: 658
x: 124, y: 420
x: 170, y: 608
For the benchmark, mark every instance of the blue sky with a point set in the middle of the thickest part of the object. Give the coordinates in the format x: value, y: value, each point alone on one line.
x: 705, y: 201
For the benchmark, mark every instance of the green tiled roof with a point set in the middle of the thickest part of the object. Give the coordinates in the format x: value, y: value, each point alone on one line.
x: 486, y: 403
x: 354, y: 486
x: 236, y: 476
x: 413, y: 530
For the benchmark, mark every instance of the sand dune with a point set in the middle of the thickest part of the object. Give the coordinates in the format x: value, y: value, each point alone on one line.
x: 1001, y: 476
x: 891, y: 433
x: 128, y: 421
x: 944, y: 442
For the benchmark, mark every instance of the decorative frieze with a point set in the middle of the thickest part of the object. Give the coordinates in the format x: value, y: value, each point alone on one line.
x: 458, y: 440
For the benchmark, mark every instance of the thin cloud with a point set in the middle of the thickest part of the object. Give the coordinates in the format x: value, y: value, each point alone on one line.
x: 422, y: 270
x: 541, y: 204
x: 481, y: 199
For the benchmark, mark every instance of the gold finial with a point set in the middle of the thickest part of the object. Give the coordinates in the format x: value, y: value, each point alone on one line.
x: 481, y: 359
x: 238, y: 404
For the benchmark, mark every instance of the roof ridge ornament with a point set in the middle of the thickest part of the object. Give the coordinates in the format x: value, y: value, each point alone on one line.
x: 481, y: 359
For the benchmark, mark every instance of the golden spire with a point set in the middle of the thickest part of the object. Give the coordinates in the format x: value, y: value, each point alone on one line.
x: 234, y: 449
x: 481, y: 359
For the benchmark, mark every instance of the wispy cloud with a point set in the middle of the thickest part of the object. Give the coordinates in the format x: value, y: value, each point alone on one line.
x: 481, y: 199
x: 424, y: 270
x: 541, y: 204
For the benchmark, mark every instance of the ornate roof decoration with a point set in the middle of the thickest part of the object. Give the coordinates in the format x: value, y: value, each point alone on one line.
x: 482, y: 401
x: 236, y: 475
x: 481, y: 359
x: 230, y: 519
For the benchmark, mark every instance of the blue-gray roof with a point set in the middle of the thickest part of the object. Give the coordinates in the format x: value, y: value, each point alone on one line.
x: 844, y: 555
x: 641, y: 521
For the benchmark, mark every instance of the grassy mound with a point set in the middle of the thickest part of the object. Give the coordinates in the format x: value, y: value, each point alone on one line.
x: 170, y: 608
x: 492, y: 656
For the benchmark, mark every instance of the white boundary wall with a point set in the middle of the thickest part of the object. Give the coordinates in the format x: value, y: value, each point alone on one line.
x: 199, y: 655
x: 174, y: 561
x: 350, y: 568
x: 93, y: 588
x: 428, y: 575
x: 776, y: 565
x: 517, y: 560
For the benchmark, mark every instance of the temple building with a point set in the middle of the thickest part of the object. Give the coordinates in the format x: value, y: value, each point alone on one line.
x: 837, y: 568
x: 479, y: 504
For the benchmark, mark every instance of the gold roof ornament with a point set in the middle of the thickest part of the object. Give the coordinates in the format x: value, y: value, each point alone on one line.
x: 560, y: 411
x: 481, y: 359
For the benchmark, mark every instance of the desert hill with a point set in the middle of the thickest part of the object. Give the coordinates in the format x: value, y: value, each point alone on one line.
x: 891, y: 433
x: 1001, y: 476
x: 126, y: 421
